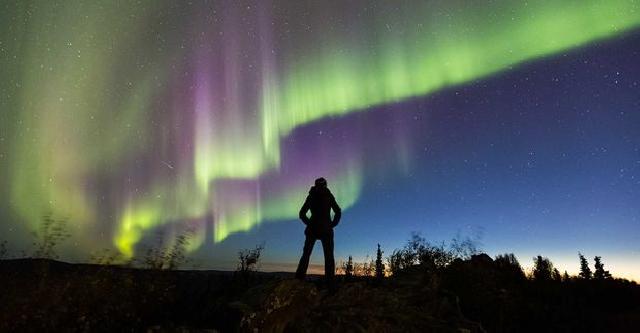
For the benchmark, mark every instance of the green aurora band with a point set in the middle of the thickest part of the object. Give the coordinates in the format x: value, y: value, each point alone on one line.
x: 81, y: 81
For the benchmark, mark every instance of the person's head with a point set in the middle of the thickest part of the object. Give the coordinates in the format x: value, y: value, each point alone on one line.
x: 321, y: 182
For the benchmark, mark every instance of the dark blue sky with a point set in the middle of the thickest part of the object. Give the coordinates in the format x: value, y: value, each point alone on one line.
x: 540, y: 159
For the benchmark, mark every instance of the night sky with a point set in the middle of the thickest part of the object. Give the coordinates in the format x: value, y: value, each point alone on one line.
x: 515, y: 124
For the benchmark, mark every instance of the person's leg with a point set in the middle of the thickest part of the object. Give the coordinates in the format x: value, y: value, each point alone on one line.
x: 329, y: 262
x: 301, y: 272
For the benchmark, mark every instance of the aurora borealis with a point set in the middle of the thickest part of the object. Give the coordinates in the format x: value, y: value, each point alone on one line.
x: 130, y: 118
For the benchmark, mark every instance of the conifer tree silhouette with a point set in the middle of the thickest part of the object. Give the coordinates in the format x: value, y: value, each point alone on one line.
x: 543, y: 269
x: 585, y: 271
x: 348, y: 268
x: 509, y: 265
x: 600, y: 273
x: 379, y: 264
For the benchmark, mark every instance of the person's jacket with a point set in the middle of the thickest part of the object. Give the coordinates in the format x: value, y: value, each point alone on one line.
x: 320, y: 201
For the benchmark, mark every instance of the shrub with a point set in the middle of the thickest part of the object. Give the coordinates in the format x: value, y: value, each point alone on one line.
x: 3, y: 249
x: 418, y: 251
x: 51, y: 233
x: 159, y: 257
x: 248, y: 259
x: 105, y: 257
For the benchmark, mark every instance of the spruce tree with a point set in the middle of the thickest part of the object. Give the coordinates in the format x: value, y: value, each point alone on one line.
x: 348, y: 268
x: 600, y: 273
x: 543, y: 268
x: 379, y: 264
x: 585, y: 271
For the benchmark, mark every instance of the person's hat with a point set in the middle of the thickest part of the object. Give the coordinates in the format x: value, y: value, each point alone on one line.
x: 321, y: 182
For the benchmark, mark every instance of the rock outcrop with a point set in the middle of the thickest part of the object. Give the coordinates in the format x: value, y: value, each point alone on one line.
x: 296, y: 306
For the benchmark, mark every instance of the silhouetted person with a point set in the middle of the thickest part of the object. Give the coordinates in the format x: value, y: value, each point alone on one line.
x: 320, y: 226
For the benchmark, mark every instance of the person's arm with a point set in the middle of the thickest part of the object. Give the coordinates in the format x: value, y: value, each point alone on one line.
x: 303, y: 212
x: 337, y: 212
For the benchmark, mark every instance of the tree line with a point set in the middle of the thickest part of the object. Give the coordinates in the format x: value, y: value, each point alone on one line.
x: 420, y: 252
